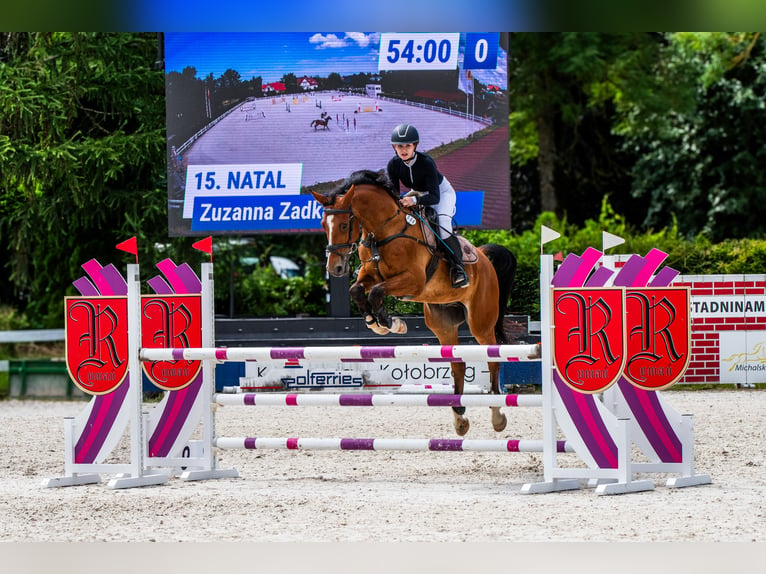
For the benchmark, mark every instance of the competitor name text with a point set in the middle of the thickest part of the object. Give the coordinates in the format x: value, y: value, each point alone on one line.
x: 285, y: 211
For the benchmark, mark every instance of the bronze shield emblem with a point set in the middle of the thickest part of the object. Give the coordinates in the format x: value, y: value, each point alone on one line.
x: 96, y: 339
x: 658, y: 327
x: 589, y: 337
x: 171, y: 322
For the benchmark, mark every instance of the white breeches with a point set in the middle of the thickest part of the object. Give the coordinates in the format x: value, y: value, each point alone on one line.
x: 445, y: 208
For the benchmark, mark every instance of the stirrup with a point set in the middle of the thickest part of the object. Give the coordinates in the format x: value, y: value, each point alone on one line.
x: 459, y: 278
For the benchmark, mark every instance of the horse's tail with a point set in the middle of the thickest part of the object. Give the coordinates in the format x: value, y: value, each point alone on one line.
x: 504, y: 263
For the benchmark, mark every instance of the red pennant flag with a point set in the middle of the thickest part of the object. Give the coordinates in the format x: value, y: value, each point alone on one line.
x: 205, y: 245
x: 130, y: 246
x: 559, y: 256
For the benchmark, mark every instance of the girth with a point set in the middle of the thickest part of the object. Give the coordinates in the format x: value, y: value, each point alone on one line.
x: 372, y: 243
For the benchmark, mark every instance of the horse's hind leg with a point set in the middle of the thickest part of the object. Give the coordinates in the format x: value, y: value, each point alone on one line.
x: 460, y: 421
x: 499, y: 420
x: 444, y: 321
x: 484, y: 333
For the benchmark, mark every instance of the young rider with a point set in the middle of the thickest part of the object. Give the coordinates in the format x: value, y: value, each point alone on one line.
x: 417, y: 171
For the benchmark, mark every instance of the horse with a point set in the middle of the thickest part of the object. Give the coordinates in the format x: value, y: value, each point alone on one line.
x: 363, y: 214
x: 321, y: 122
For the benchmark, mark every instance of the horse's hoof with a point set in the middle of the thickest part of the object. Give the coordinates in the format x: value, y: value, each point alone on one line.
x: 379, y: 329
x: 398, y: 326
x: 499, y: 420
x: 374, y: 326
x: 461, y: 425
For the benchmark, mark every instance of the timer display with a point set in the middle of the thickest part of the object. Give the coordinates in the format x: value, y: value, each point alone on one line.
x: 418, y: 51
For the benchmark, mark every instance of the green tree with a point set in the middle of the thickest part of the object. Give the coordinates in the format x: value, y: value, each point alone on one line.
x: 254, y: 87
x: 290, y: 81
x: 667, y: 125
x: 333, y: 81
x: 230, y: 88
x: 573, y: 97
x: 187, y: 96
x: 82, y: 158
x: 704, y: 165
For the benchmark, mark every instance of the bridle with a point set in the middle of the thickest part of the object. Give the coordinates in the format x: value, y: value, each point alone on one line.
x: 370, y: 240
x: 350, y: 244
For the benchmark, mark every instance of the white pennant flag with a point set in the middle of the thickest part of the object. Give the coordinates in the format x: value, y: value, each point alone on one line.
x: 547, y: 235
x: 465, y: 81
x: 609, y: 240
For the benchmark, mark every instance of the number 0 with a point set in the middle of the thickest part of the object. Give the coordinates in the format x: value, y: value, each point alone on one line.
x: 481, y: 51
x: 445, y: 48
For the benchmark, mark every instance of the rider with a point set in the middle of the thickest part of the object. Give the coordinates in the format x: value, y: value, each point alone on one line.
x: 418, y: 172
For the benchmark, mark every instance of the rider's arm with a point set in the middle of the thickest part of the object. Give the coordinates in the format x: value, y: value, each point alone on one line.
x: 426, y: 180
x: 393, y: 175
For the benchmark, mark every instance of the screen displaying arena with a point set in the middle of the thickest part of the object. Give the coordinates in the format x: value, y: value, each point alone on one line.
x: 255, y: 121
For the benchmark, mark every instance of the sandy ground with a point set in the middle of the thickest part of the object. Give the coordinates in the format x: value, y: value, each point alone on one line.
x: 328, y: 496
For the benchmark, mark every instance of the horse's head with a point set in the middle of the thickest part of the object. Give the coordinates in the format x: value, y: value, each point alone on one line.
x: 342, y: 230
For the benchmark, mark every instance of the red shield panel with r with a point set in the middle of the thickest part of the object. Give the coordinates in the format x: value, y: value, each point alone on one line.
x: 171, y: 322
x: 589, y: 337
x: 96, y: 338
x: 658, y: 327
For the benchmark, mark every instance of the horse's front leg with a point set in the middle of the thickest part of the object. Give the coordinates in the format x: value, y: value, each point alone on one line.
x: 358, y: 296
x: 404, y: 284
x: 376, y: 300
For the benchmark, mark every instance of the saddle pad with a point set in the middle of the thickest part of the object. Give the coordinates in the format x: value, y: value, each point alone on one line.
x: 469, y: 251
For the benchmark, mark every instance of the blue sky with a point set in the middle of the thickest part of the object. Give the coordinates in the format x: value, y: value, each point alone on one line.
x: 271, y: 55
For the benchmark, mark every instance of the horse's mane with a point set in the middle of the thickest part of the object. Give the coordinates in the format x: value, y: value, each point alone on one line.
x: 365, y: 177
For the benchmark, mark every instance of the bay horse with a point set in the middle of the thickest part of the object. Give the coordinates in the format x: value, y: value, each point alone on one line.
x: 321, y: 122
x: 364, y: 215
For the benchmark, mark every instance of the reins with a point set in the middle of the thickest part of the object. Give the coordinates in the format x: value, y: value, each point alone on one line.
x: 370, y: 239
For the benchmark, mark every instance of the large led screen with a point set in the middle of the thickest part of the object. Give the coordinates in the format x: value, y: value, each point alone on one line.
x: 257, y: 120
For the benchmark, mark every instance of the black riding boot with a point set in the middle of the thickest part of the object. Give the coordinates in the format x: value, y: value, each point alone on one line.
x: 455, y: 256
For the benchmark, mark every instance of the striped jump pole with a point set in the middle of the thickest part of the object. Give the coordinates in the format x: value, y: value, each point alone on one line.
x: 350, y: 354
x: 389, y: 444
x: 377, y: 400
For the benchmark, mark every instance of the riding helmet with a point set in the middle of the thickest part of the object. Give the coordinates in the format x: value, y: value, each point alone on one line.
x: 404, y: 134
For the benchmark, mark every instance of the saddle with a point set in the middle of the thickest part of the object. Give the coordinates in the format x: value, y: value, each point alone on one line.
x: 428, y: 223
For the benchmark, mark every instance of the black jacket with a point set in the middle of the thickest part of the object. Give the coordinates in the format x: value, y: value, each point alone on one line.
x: 420, y: 175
